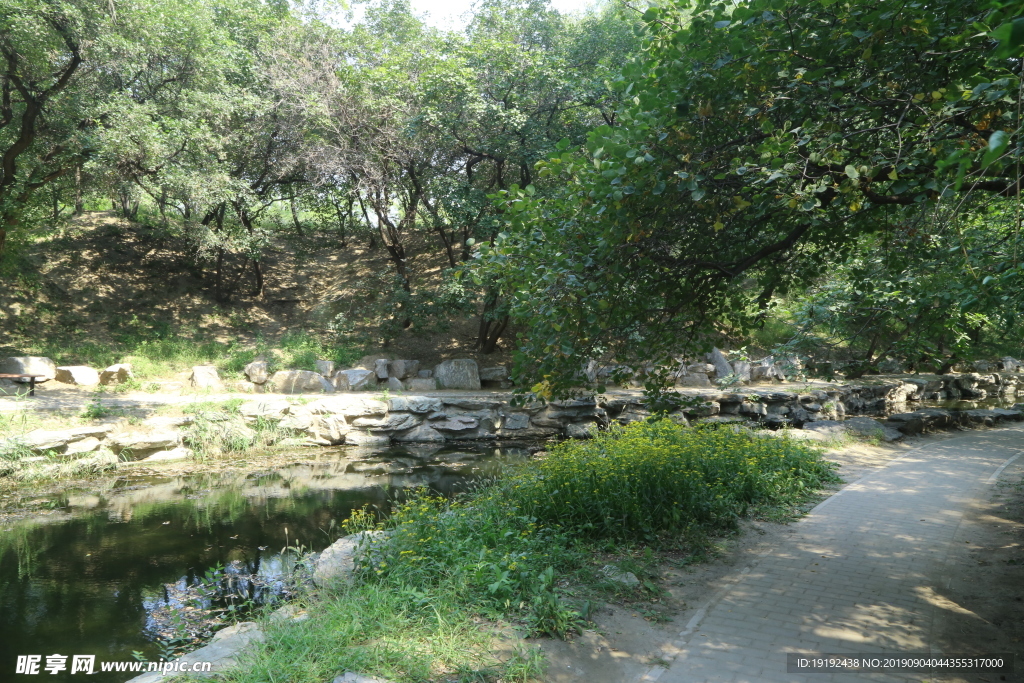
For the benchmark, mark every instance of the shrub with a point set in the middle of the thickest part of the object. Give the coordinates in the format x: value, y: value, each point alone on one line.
x: 653, y: 478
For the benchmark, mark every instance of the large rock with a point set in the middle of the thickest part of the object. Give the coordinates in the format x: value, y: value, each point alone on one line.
x: 870, y: 428
x: 348, y: 406
x: 423, y: 433
x: 268, y: 410
x: 300, y: 382
x: 395, y: 384
x: 457, y: 423
x: 117, y: 374
x: 420, y: 384
x: 257, y: 371
x: 205, y: 377
x: 63, y: 440
x: 741, y: 369
x: 337, y: 563
x: 355, y: 379
x: 363, y: 438
x: 460, y: 373
x: 44, y: 368
x: 414, y: 404
x: 79, y: 375
x: 299, y: 419
x: 389, y: 422
x: 403, y: 369
x: 380, y: 368
x: 325, y: 367
x: 139, y: 441
x: 328, y: 430
x: 722, y: 367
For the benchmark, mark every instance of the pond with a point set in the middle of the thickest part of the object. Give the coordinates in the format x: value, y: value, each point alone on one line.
x: 100, y: 578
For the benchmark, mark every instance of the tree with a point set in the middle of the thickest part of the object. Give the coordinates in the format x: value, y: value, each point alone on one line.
x: 761, y: 142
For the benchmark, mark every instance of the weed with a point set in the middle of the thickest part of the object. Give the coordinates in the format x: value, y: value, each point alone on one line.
x: 95, y: 410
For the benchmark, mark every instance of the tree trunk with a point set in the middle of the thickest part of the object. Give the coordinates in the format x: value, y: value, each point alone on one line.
x: 295, y: 216
x: 491, y: 329
x: 79, y: 204
x: 257, y: 272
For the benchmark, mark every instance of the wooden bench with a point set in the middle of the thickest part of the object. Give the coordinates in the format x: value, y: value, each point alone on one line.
x: 21, y: 378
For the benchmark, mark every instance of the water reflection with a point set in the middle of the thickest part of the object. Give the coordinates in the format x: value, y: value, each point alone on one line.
x: 92, y: 582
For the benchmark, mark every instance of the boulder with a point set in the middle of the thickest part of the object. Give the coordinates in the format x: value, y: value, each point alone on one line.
x: 257, y: 371
x: 327, y: 430
x: 380, y: 368
x: 117, y: 374
x: 395, y: 384
x: 205, y: 377
x: 693, y: 379
x: 86, y: 445
x: 515, y: 421
x: 300, y: 382
x: 616, y: 575
x: 403, y: 369
x: 269, y: 410
x: 581, y: 430
x: 871, y: 428
x: 460, y: 373
x: 389, y: 422
x: 456, y: 423
x: 325, y: 367
x: 423, y: 433
x: 45, y: 368
x: 40, y: 440
x: 722, y: 367
x: 741, y: 369
x: 299, y: 419
x: 361, y: 438
x: 425, y: 374
x: 79, y: 375
x: 141, y: 441
x: 421, y: 384
x: 337, y: 563
x: 414, y: 404
x: 495, y: 374
x: 179, y: 453
x: 348, y: 406
x: 355, y: 379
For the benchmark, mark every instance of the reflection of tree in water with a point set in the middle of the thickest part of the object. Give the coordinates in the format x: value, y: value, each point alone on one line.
x: 193, y: 608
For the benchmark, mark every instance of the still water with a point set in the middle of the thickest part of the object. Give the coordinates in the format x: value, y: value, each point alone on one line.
x: 92, y: 579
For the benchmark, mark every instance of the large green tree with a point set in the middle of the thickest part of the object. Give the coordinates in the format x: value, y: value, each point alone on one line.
x: 761, y: 141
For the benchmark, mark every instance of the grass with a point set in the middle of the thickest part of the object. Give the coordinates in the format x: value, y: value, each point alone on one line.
x: 217, y: 428
x: 155, y: 350
x: 525, y: 549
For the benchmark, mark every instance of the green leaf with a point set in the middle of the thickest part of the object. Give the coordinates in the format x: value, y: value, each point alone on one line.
x: 852, y: 172
x: 997, y: 143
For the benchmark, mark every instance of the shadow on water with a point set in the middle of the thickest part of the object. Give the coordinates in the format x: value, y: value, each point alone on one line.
x: 94, y: 582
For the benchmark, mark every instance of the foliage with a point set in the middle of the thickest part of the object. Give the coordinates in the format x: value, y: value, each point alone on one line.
x: 655, y: 478
x: 761, y: 142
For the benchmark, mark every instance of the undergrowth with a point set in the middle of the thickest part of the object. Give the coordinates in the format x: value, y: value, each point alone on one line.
x: 524, y: 549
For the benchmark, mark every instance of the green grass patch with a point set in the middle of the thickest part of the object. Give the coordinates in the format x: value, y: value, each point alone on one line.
x: 525, y: 550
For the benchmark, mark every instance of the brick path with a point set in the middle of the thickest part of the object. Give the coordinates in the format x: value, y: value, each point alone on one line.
x: 858, y: 575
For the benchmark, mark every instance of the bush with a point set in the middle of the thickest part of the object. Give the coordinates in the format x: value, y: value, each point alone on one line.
x: 654, y: 478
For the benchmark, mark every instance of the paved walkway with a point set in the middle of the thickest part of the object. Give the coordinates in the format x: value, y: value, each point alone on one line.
x: 857, y: 576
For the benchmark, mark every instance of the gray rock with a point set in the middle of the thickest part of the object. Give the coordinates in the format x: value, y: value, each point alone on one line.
x: 414, y: 404
x: 581, y: 430
x: 360, y: 438
x: 423, y: 433
x: 274, y: 409
x: 325, y: 368
x: 300, y: 382
x: 143, y: 441
x: 613, y: 573
x: 179, y: 453
x: 829, y: 428
x: 515, y: 421
x: 495, y: 374
x: 29, y: 365
x: 41, y: 440
x: 205, y: 377
x: 741, y: 369
x: 390, y: 422
x: 222, y: 651
x: 456, y: 423
x: 349, y: 406
x: 380, y: 368
x: 79, y: 375
x: 871, y: 428
x: 722, y: 367
x: 425, y: 374
x: 299, y: 419
x: 355, y: 379
x: 350, y: 677
x: 395, y: 384
x: 117, y: 374
x: 327, y: 430
x: 460, y: 373
x: 693, y: 379
x: 403, y: 369
x: 337, y: 563
x: 257, y: 371
x: 86, y: 445
x: 421, y: 384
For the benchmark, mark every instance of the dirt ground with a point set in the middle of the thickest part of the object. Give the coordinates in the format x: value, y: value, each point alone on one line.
x: 985, y: 582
